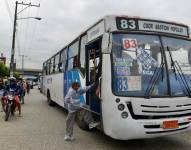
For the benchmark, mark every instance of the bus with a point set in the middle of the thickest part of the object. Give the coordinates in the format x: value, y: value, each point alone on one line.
x: 142, y: 71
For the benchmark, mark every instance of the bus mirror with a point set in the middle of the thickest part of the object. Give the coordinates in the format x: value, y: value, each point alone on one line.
x: 106, y: 43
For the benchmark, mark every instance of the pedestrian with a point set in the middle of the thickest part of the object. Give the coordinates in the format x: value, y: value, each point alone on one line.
x: 22, y: 91
x: 28, y: 87
x: 72, y: 98
x: 2, y: 93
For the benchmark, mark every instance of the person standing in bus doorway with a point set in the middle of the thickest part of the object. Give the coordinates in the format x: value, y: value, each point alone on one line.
x: 72, y: 98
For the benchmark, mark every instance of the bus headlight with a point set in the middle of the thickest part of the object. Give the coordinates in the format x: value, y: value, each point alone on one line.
x: 124, y: 115
x: 121, y: 107
x: 117, y: 100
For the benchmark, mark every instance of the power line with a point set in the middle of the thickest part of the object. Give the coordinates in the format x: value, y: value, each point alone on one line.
x: 26, y: 31
x: 11, y: 18
x: 14, y: 31
x: 33, y: 32
x: 8, y: 10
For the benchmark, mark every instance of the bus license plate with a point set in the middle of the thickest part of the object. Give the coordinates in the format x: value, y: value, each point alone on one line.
x: 170, y: 124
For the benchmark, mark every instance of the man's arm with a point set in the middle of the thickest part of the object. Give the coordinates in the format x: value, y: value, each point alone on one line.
x: 87, y: 88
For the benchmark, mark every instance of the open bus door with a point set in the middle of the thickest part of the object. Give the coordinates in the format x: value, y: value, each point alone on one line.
x: 93, y: 73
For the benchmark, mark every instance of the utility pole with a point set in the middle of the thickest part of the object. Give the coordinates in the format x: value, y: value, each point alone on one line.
x: 23, y: 59
x: 12, y: 64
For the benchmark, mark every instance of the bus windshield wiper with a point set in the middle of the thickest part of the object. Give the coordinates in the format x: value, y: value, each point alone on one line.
x: 155, y: 77
x: 172, y: 63
x: 176, y: 67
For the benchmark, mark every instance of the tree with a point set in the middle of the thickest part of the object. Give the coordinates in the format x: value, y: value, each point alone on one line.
x: 4, y: 71
x: 16, y: 74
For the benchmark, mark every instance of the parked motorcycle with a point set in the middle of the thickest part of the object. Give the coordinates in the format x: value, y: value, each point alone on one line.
x: 9, y: 105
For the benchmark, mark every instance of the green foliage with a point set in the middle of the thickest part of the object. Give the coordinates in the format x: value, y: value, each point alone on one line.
x: 16, y: 74
x: 4, y: 71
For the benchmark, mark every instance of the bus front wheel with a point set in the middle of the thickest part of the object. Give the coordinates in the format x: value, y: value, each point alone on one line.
x: 80, y: 119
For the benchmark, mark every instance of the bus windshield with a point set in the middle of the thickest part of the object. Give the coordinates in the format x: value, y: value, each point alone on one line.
x: 139, y: 68
x: 178, y: 54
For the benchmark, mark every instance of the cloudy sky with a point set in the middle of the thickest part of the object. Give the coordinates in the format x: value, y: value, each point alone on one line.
x: 63, y: 20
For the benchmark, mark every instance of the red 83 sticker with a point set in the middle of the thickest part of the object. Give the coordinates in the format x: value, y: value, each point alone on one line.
x: 130, y: 44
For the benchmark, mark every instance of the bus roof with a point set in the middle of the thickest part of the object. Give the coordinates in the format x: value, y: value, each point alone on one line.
x: 111, y: 23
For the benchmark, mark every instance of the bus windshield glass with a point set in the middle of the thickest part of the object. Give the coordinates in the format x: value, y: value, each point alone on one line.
x: 137, y: 64
x: 178, y: 54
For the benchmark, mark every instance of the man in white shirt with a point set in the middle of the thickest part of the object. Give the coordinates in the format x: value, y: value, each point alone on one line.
x: 72, y: 98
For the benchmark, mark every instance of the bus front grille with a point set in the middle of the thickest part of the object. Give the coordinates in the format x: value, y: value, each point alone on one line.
x: 150, y: 115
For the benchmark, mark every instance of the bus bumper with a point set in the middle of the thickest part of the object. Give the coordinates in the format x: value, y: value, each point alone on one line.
x: 147, y: 122
x: 147, y: 129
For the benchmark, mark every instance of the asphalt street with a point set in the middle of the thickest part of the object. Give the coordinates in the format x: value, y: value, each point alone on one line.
x: 42, y: 128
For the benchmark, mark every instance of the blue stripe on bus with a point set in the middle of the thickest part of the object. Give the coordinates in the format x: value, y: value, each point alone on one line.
x: 69, y: 78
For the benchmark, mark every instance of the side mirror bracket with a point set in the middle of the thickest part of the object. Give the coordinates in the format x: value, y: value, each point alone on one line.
x: 106, y: 43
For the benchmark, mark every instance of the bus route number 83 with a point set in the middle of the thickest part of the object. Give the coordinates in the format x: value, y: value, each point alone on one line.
x: 122, y: 84
x: 124, y: 23
x: 128, y: 24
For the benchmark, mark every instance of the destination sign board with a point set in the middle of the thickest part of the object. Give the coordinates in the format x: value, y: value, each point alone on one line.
x: 152, y: 26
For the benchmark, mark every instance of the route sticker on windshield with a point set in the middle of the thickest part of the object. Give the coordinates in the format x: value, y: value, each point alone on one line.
x: 147, y: 61
x: 122, y: 71
x: 129, y: 83
x: 123, y: 62
x: 129, y: 44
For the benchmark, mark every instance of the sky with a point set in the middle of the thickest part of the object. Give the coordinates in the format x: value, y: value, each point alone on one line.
x: 64, y: 20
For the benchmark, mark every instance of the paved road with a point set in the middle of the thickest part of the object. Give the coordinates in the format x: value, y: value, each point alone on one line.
x: 42, y: 128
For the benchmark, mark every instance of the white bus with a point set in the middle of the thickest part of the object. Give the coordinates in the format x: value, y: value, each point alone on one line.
x: 144, y: 69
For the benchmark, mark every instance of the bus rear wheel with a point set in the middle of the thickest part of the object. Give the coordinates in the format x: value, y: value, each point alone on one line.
x: 80, y: 119
x: 50, y: 102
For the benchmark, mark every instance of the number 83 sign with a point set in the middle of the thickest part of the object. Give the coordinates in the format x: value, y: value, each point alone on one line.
x: 129, y: 44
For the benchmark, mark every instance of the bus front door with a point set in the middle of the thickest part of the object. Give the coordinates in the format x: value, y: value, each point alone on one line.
x: 93, y: 72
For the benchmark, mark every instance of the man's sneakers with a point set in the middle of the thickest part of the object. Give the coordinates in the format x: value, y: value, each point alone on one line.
x: 69, y: 138
x: 93, y: 125
x: 66, y: 138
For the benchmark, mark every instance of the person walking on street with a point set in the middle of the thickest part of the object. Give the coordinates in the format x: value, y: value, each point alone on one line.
x: 2, y: 93
x: 72, y: 98
x: 28, y: 87
x: 21, y: 91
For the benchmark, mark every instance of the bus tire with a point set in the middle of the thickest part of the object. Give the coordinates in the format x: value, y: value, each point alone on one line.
x: 50, y: 102
x: 81, y: 121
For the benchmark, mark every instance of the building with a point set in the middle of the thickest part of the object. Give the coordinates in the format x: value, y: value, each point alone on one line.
x: 3, y: 59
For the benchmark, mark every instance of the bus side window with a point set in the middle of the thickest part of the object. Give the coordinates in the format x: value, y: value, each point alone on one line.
x: 45, y: 68
x: 48, y: 67
x: 73, y: 56
x: 82, y: 54
x: 75, y: 62
x: 63, y: 58
x: 56, y: 64
x: 52, y: 66
x: 189, y: 56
